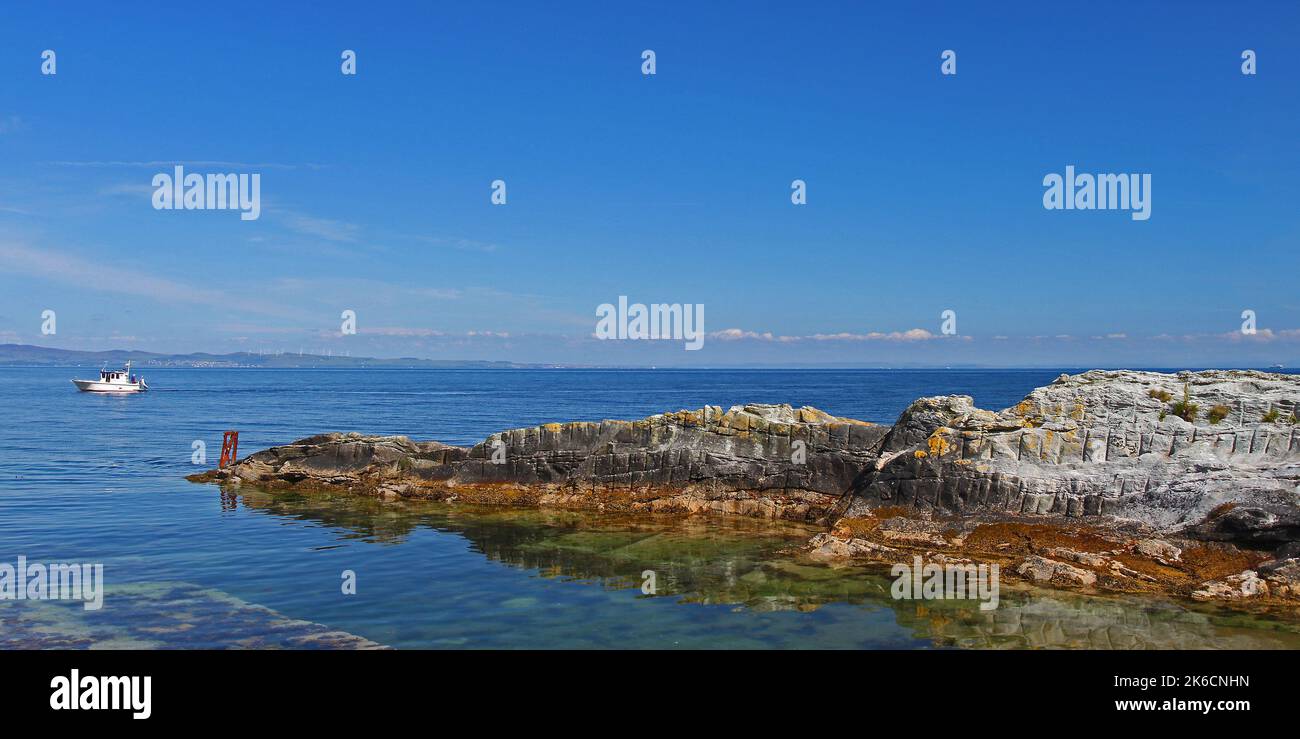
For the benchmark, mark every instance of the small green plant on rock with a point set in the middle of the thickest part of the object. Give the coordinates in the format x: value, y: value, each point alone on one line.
x: 1272, y: 415
x: 1185, y: 408
x: 1161, y: 395
x: 1218, y: 413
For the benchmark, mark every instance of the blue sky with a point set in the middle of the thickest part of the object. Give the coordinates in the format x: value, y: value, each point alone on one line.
x: 924, y: 190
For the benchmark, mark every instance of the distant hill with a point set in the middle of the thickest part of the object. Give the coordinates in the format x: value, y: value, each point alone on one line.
x: 26, y: 355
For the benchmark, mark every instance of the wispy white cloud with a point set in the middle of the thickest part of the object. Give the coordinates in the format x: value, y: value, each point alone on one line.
x: 431, y: 333
x: 82, y: 273
x: 438, y: 293
x: 1261, y: 336
x: 401, y: 331
x: 378, y: 291
x: 105, y: 164
x: 458, y: 243
x: 325, y: 228
x: 736, y: 334
x: 128, y: 188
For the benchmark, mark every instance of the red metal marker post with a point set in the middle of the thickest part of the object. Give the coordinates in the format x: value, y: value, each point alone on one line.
x: 229, y: 448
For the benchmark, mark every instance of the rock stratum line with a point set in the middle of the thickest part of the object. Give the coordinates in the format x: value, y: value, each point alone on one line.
x: 1183, y: 483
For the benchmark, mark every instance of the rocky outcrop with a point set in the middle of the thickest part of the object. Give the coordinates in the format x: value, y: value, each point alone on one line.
x: 1112, y: 445
x: 1090, y: 481
x: 1175, y: 481
x: 760, y: 460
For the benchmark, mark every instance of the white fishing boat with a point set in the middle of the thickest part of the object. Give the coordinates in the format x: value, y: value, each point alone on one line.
x: 113, y: 381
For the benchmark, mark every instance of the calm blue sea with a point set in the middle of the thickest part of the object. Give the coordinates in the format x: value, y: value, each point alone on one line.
x: 94, y: 478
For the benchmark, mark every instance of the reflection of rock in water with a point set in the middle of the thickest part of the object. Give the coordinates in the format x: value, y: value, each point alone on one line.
x: 1045, y: 619
x: 163, y: 615
x: 363, y: 519
x: 756, y: 564
x: 702, y: 559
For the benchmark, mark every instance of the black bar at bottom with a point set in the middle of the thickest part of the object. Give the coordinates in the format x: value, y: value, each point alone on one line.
x: 938, y: 688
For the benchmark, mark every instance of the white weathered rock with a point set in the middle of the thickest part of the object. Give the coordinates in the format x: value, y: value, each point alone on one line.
x: 828, y: 546
x: 1107, y: 444
x: 1158, y: 549
x: 1041, y: 569
x: 1086, y: 558
x: 1248, y: 584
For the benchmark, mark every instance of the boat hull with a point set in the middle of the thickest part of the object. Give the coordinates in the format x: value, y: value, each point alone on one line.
x: 95, y: 386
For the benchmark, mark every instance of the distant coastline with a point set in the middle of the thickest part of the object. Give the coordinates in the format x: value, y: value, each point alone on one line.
x: 29, y: 355
x: 26, y: 355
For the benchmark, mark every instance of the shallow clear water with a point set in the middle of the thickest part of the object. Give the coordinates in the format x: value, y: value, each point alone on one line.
x: 91, y: 478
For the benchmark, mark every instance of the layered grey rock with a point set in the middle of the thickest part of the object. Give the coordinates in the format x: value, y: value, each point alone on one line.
x: 761, y: 460
x: 1111, y: 445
